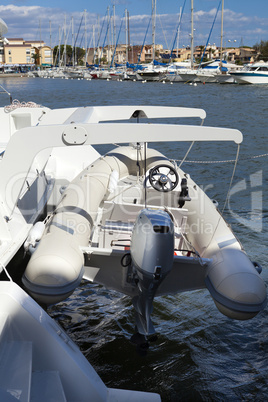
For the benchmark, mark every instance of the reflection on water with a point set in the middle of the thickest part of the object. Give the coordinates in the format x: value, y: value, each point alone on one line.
x: 199, y: 354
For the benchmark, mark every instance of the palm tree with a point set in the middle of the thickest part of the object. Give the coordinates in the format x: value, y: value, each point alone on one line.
x: 35, y: 56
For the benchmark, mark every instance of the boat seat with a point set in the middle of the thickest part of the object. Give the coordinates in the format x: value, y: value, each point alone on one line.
x: 118, y: 221
x: 115, y: 234
x: 128, y: 212
x: 118, y: 226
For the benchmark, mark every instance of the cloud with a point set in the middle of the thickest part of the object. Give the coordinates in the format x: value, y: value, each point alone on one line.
x: 26, y: 21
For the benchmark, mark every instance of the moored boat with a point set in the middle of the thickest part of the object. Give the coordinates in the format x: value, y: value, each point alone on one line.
x: 128, y: 220
x: 256, y: 73
x: 35, y: 350
x: 114, y: 190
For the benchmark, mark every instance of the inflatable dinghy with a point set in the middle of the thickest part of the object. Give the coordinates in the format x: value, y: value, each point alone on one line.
x: 135, y: 222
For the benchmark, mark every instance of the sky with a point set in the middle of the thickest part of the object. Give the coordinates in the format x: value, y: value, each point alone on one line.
x: 245, y: 21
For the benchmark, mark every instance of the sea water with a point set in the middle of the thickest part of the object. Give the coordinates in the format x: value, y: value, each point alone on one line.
x: 200, y: 355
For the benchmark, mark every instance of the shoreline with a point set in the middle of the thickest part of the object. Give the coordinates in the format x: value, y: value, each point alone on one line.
x: 15, y: 75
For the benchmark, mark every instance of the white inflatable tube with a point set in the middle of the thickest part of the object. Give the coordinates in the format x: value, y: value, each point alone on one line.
x: 56, y: 267
x: 235, y: 285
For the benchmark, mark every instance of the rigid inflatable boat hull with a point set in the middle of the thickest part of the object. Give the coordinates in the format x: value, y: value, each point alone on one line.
x: 56, y: 267
x: 235, y: 285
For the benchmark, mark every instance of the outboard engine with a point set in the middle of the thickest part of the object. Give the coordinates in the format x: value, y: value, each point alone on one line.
x: 152, y: 253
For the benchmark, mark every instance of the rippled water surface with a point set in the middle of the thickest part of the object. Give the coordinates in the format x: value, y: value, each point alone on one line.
x: 199, y: 354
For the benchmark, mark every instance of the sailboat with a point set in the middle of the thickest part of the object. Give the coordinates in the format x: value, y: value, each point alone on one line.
x: 150, y: 72
x: 189, y: 74
x: 224, y: 76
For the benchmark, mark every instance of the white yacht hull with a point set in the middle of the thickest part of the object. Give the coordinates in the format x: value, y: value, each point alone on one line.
x: 247, y: 77
x: 226, y: 79
x: 189, y: 76
x: 42, y: 362
x: 251, y: 80
x: 173, y: 77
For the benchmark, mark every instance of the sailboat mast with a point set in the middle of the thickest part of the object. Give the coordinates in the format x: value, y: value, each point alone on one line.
x: 108, y: 35
x: 94, y: 53
x: 192, y: 33
x: 65, y: 39
x: 85, y: 37
x: 126, y: 37
x: 73, y: 41
x: 40, y: 51
x: 50, y: 44
x: 153, y: 26
x: 222, y: 7
x: 98, y: 39
x: 128, y: 34
x: 59, y: 44
x: 178, y: 35
x: 114, y: 30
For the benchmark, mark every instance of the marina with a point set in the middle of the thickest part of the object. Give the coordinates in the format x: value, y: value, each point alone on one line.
x: 199, y: 354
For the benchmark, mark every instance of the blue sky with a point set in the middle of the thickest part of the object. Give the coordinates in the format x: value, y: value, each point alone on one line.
x: 245, y: 21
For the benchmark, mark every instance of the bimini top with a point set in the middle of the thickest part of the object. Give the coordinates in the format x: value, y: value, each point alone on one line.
x: 102, y: 125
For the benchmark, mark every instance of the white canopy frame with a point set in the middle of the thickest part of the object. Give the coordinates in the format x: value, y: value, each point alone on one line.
x: 82, y: 127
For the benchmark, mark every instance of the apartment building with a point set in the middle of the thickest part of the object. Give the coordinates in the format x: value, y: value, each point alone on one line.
x: 242, y: 54
x: 19, y: 52
x: 135, y: 53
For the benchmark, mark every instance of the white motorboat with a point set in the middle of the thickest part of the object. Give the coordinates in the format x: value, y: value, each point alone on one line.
x: 127, y: 220
x: 226, y: 78
x: 150, y: 73
x: 208, y: 72
x: 256, y: 73
x: 40, y: 362
x: 174, y: 70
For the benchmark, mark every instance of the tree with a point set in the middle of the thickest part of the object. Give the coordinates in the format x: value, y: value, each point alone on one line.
x: 36, y: 57
x: 80, y: 55
x: 262, y: 50
x: 77, y: 53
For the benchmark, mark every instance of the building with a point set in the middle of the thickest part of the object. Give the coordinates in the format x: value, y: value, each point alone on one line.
x: 247, y: 55
x: 178, y: 55
x: 239, y: 55
x: 18, y: 52
x: 130, y: 53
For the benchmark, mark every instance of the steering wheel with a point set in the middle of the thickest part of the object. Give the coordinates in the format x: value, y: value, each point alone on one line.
x: 163, y: 178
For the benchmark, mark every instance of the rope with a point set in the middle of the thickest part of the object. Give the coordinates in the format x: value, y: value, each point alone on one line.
x: 17, y: 104
x: 224, y: 161
x: 163, y: 32
x: 196, y: 253
x: 185, y: 156
x: 227, y: 197
x: 6, y: 272
x: 231, y: 181
x: 209, y: 35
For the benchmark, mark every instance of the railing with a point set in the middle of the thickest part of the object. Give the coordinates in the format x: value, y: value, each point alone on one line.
x: 4, y: 91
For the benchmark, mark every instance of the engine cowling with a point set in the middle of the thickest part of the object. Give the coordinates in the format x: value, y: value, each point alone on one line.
x: 152, y: 253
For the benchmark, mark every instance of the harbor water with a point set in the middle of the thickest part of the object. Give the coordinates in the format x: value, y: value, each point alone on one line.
x: 199, y: 355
